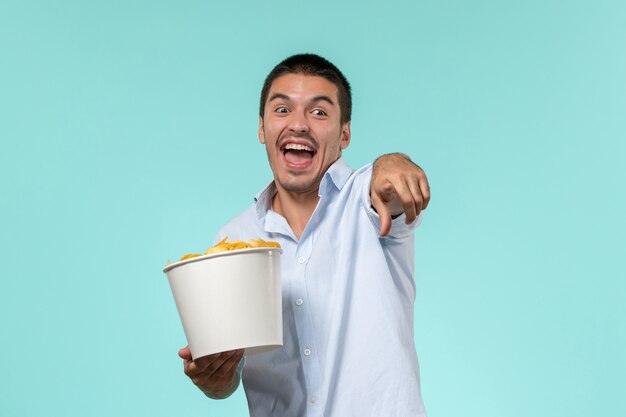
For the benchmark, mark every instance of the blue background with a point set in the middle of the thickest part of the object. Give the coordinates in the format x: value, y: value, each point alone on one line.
x: 128, y: 136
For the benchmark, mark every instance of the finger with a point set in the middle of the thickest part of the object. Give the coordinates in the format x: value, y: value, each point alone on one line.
x: 408, y: 202
x: 216, y: 364
x: 220, y: 377
x: 186, y: 364
x: 228, y: 367
x: 185, y: 353
x: 425, y: 190
x: 193, y: 368
x: 417, y: 198
x: 387, y: 192
x: 383, y: 213
x: 201, y: 365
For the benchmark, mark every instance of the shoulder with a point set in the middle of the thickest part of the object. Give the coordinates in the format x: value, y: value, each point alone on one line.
x: 240, y: 226
x: 357, y: 185
x: 356, y: 181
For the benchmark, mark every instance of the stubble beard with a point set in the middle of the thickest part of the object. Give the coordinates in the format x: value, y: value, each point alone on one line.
x: 295, y: 185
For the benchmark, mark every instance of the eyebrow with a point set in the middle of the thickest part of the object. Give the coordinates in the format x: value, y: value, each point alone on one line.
x: 277, y: 96
x: 315, y: 99
x: 323, y: 98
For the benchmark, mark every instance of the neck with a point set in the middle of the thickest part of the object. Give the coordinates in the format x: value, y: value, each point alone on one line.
x: 296, y: 208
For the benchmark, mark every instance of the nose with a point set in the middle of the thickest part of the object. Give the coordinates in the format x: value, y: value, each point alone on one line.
x: 298, y: 123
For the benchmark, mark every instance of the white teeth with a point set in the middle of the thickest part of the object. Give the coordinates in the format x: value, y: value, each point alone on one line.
x: 297, y: 147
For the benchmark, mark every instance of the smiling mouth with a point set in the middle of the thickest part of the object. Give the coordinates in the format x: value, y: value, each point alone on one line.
x: 298, y: 154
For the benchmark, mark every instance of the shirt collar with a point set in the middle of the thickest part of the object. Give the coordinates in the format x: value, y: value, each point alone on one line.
x: 337, y: 175
x: 263, y: 200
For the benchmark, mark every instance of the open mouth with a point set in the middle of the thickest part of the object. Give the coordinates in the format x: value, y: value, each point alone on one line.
x: 298, y: 154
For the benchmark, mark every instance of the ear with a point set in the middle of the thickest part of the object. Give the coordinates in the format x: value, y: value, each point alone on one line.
x: 345, y: 135
x: 261, y: 132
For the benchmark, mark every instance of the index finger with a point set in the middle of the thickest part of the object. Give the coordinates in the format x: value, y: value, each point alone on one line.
x: 199, y: 365
x: 203, y: 362
x: 383, y: 213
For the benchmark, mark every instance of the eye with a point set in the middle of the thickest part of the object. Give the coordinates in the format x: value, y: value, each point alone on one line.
x: 282, y: 109
x: 319, y: 112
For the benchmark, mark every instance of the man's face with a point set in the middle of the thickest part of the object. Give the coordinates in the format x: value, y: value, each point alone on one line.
x: 302, y: 130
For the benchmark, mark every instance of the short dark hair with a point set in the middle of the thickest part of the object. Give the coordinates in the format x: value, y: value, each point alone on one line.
x: 314, y: 65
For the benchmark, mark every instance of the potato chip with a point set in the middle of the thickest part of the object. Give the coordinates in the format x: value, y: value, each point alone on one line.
x: 260, y: 243
x: 224, y: 245
x: 189, y: 256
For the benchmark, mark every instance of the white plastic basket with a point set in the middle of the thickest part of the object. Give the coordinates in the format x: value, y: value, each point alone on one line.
x: 229, y: 300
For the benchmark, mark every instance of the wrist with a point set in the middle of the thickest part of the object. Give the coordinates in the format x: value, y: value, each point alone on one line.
x: 392, y: 155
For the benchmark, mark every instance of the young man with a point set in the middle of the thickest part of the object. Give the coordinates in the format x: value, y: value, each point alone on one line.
x: 347, y: 263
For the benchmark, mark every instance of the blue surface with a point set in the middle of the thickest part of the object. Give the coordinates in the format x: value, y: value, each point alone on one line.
x: 128, y: 133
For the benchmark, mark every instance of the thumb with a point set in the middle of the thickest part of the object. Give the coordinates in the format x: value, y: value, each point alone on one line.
x: 185, y: 353
x: 383, y: 212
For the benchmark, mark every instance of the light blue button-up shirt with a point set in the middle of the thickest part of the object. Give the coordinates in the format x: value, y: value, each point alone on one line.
x: 348, y: 299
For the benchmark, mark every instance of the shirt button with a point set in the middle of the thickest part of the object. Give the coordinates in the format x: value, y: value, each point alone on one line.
x: 299, y: 302
x: 301, y: 259
x: 307, y: 352
x: 313, y: 399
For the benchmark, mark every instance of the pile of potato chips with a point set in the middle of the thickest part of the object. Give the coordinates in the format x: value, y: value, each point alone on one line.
x: 225, y: 245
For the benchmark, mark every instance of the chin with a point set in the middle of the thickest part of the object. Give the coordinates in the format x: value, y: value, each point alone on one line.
x: 298, y: 186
